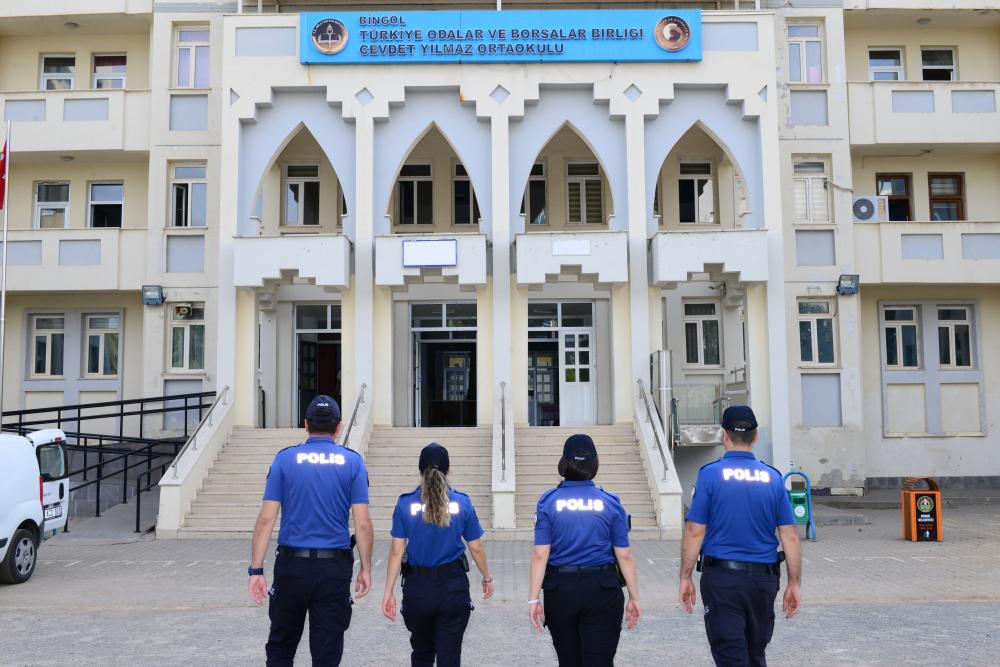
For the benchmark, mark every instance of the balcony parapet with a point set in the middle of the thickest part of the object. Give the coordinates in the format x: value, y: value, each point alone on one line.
x: 928, y: 252
x: 60, y: 260
x: 599, y: 255
x: 406, y: 258
x: 741, y: 253
x: 324, y: 258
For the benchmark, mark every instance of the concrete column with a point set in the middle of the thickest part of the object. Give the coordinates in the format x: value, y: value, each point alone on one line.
x: 638, y: 258
x: 364, y: 257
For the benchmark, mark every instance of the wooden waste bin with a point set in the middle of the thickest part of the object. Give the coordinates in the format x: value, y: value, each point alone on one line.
x: 922, y: 511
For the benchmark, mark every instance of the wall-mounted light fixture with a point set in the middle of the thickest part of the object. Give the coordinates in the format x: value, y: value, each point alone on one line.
x: 152, y: 295
x: 848, y: 284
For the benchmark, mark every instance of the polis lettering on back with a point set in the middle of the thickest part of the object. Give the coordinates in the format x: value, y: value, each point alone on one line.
x: 417, y: 508
x: 580, y: 505
x: 321, y: 458
x: 746, y: 475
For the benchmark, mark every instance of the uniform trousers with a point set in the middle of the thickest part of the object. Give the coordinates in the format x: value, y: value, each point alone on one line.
x: 583, y: 612
x: 739, y: 615
x: 320, y: 587
x: 436, y: 608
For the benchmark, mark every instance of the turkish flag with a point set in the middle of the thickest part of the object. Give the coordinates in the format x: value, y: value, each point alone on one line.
x: 3, y: 173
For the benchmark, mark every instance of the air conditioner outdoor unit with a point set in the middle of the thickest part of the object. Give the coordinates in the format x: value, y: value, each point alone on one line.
x: 870, y: 208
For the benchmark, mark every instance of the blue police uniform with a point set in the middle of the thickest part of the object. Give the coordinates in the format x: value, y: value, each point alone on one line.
x: 316, y: 483
x: 741, y: 501
x: 436, y: 603
x: 582, y: 523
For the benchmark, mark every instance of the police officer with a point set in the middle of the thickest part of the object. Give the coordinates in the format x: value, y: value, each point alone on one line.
x: 738, y: 503
x: 430, y: 523
x: 581, y: 559
x: 316, y: 484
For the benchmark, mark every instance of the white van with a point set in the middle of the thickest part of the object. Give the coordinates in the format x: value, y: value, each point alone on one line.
x: 22, y: 522
x: 53, y: 466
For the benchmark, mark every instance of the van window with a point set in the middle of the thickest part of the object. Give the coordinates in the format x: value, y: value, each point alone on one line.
x: 51, y: 461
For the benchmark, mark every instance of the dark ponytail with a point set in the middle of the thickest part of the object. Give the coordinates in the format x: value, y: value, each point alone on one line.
x: 434, y: 496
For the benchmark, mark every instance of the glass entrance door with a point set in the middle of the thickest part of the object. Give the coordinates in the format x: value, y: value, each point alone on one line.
x: 318, y: 354
x: 562, y: 382
x: 444, y: 364
x: 543, y: 384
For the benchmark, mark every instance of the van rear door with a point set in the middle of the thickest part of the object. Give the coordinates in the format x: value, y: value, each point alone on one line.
x: 53, y: 467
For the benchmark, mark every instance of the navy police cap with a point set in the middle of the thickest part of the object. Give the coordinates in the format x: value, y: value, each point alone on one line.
x: 323, y: 408
x: 434, y: 456
x: 580, y: 447
x: 739, y: 418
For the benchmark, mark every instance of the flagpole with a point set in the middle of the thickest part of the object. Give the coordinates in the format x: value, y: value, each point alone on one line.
x: 3, y: 265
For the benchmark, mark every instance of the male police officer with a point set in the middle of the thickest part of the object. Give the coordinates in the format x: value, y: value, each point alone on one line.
x: 315, y: 484
x: 738, y: 502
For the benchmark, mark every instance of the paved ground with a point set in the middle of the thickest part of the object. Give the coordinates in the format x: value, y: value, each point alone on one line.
x: 870, y: 599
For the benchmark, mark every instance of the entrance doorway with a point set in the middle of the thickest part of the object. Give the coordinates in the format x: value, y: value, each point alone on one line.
x: 317, y: 354
x: 562, y: 383
x: 444, y: 364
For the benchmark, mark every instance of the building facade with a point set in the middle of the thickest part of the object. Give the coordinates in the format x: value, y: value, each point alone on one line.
x: 804, y: 218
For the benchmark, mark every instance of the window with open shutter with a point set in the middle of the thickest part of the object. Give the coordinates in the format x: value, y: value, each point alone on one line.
x: 809, y: 187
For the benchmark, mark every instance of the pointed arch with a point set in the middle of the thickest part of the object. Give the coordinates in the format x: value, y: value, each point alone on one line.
x: 262, y: 142
x: 422, y: 112
x: 724, y: 122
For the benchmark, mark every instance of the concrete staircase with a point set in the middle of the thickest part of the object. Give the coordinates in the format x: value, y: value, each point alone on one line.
x: 230, y: 498
x: 621, y: 471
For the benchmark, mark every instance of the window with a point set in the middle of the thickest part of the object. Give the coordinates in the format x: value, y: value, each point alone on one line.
x: 946, y: 196
x: 51, y: 205
x: 816, y: 333
x: 58, y: 73
x: 109, y: 71
x: 301, y: 193
x: 533, y: 203
x: 414, y: 195
x: 190, y: 195
x: 900, y: 337
x: 47, y: 335
x: 584, y: 190
x: 897, y: 188
x: 955, y: 336
x: 809, y: 187
x: 701, y: 334
x: 191, y: 60
x: 886, y: 65
x: 106, y: 204
x: 805, y: 53
x: 695, y: 195
x: 938, y: 64
x: 102, y: 344
x: 466, y: 206
x: 187, y: 337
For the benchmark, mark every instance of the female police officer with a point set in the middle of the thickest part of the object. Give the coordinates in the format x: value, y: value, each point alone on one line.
x: 580, y: 533
x: 430, y: 524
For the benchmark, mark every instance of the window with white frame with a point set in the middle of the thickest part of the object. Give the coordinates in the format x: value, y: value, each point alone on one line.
x: 702, y: 334
x: 466, y: 206
x: 533, y: 202
x: 937, y: 64
x: 414, y: 195
x: 810, y: 190
x: 58, y: 72
x: 51, y: 205
x: 191, y: 57
x: 301, y: 193
x: 106, y: 204
x: 109, y: 71
x: 955, y: 336
x: 817, y: 346
x: 187, y: 337
x: 886, y: 64
x: 695, y: 194
x: 189, y: 187
x: 585, y: 193
x: 900, y: 336
x: 47, y: 337
x: 102, y: 336
x: 805, y: 53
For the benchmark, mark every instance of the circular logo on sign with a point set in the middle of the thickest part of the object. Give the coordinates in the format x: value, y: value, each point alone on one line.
x: 800, y: 511
x: 672, y: 33
x: 925, y: 503
x: 329, y: 36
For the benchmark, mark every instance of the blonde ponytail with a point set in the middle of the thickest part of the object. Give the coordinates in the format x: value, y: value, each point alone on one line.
x: 434, y: 496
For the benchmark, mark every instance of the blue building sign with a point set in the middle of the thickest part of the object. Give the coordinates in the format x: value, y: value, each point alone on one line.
x: 563, y: 35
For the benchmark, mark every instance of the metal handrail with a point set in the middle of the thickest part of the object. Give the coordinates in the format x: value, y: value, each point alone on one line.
x: 354, y: 414
x: 207, y: 418
x: 503, y: 431
x: 647, y: 402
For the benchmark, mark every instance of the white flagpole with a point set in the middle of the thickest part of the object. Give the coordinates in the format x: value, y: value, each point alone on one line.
x: 3, y: 265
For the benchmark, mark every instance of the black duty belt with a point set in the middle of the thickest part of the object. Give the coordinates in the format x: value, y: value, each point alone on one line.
x: 574, y: 569
x: 447, y: 568
x: 742, y: 566
x: 344, y: 554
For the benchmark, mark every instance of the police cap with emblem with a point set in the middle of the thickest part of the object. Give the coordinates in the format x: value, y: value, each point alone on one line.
x: 436, y: 456
x: 739, y: 418
x: 580, y: 447
x: 323, y: 408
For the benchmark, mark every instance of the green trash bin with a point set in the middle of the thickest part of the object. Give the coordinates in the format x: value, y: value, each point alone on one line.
x: 800, y: 505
